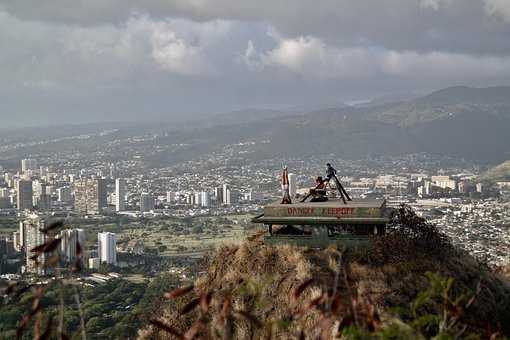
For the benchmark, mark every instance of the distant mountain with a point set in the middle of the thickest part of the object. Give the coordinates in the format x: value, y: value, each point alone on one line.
x: 388, y: 99
x: 468, y: 95
x: 256, y: 114
x: 460, y: 122
x: 454, y: 101
x: 499, y: 173
x: 311, y: 107
x: 247, y: 115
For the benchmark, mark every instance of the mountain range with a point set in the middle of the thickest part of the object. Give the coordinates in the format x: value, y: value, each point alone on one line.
x: 461, y: 122
x: 464, y: 123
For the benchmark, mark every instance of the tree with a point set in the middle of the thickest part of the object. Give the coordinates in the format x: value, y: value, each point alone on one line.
x: 197, y: 229
x: 97, y: 324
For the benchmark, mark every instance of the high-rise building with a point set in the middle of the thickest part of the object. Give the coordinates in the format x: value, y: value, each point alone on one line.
x: 234, y: 196
x: 28, y: 164
x: 427, y: 187
x: 50, y: 190
x: 190, y: 199
x: 80, y: 196
x: 146, y: 202
x: 113, y: 171
x: 33, y: 237
x: 463, y: 187
x: 9, y: 179
x: 64, y: 194
x: 3, y: 254
x: 218, y: 193
x: 16, y: 238
x: 41, y: 195
x: 90, y: 195
x: 4, y: 192
x: 248, y: 196
x: 170, y: 196
x: 38, y: 187
x: 120, y: 194
x: 22, y: 234
x: 444, y: 182
x: 292, y: 185
x: 479, y: 187
x: 198, y: 198
x: 204, y: 199
x: 227, y: 199
x: 10, y: 245
x: 42, y: 202
x: 27, y: 175
x: 101, y: 193
x: 43, y: 171
x: 24, y: 195
x: 107, y: 251
x: 225, y: 194
x: 420, y: 191
x: 5, y: 203
x: 68, y: 243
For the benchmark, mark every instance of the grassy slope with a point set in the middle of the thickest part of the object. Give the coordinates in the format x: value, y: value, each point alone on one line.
x: 262, y: 279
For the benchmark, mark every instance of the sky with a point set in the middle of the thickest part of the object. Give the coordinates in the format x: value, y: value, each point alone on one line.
x: 77, y: 61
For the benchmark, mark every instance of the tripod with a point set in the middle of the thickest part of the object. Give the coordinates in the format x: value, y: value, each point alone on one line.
x: 340, y: 188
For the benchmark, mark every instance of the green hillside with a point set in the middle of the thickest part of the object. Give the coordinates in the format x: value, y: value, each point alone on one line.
x: 450, y: 103
x: 461, y: 122
x: 499, y: 173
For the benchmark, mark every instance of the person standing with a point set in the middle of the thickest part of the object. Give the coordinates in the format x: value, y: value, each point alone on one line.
x: 331, y: 173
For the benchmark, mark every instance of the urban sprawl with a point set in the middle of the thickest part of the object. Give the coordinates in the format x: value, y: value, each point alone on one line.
x: 125, y: 214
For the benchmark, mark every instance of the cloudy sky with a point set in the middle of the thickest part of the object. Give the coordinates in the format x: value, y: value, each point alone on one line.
x: 76, y: 61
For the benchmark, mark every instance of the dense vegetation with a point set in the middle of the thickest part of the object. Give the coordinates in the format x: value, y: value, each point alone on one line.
x: 115, y: 309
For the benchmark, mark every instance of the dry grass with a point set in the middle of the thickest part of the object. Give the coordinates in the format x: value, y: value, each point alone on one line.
x: 285, y: 292
x: 263, y: 280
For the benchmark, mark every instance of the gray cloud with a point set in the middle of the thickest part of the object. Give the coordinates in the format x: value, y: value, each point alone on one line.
x: 476, y: 26
x: 118, y: 58
x: 105, y: 53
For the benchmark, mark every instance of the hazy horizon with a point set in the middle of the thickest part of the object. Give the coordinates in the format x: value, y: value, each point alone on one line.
x: 395, y: 97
